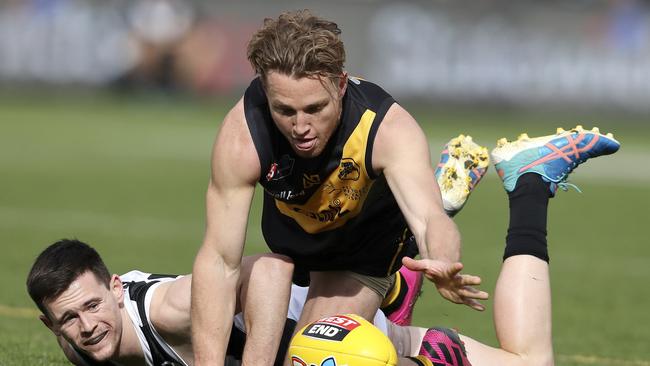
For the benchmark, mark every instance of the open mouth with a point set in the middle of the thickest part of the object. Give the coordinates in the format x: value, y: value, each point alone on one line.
x: 305, y: 144
x: 94, y: 340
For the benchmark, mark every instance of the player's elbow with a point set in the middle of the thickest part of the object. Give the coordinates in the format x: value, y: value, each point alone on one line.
x: 276, y: 266
x: 210, y: 262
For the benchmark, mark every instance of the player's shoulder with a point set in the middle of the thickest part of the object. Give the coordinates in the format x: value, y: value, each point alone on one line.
x: 235, y: 118
x: 234, y: 125
x: 365, y: 85
x: 234, y: 150
x: 398, y: 136
x: 136, y: 276
x: 368, y: 93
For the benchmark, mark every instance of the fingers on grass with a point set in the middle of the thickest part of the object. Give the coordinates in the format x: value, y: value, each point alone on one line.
x: 474, y: 304
x: 469, y: 280
x: 473, y: 293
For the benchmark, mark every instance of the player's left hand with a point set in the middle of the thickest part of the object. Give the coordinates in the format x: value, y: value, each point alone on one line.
x: 451, y: 284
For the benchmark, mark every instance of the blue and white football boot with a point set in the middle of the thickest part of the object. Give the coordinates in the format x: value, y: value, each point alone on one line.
x: 553, y: 157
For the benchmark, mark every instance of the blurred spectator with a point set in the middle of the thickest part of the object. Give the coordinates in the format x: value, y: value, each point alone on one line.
x: 63, y: 41
x: 212, y: 59
x: 158, y: 26
x: 527, y: 53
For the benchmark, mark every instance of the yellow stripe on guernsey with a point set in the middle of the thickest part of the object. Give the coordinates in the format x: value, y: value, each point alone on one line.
x: 340, y: 197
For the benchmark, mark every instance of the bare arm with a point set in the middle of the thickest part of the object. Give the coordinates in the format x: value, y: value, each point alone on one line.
x: 265, y: 291
x: 262, y: 295
x: 401, y: 152
x: 235, y: 170
x: 170, y: 311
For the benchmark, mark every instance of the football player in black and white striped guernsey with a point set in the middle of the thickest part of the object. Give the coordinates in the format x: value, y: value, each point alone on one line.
x: 144, y: 319
x: 139, y: 289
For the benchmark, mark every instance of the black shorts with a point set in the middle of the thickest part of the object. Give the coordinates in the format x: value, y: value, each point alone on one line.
x: 368, y: 264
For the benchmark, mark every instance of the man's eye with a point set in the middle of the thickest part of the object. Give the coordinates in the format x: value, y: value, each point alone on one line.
x: 286, y: 112
x: 314, y: 110
x: 93, y: 306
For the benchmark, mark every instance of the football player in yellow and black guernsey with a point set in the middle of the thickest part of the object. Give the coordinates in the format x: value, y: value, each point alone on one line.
x: 347, y: 181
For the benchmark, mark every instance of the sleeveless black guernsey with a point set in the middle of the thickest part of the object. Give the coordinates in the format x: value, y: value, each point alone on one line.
x: 330, y: 212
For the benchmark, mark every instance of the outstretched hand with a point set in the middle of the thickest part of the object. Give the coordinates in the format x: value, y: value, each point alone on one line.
x: 452, y: 285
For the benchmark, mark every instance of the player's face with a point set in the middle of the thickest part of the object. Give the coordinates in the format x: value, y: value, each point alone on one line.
x: 306, y: 110
x: 87, y: 315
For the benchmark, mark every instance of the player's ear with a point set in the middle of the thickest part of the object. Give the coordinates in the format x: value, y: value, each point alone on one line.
x: 343, y: 84
x: 117, y: 288
x: 48, y: 323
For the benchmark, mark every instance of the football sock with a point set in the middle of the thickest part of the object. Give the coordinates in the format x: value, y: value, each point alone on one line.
x: 396, y: 295
x: 528, y: 212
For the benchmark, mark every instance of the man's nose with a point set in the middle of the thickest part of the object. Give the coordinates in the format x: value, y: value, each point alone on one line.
x: 302, y: 124
x: 87, y: 323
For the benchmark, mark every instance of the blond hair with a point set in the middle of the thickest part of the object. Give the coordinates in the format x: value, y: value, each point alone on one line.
x: 297, y: 44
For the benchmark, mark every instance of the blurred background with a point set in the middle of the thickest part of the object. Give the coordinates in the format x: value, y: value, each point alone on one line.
x: 108, y: 110
x: 587, y: 53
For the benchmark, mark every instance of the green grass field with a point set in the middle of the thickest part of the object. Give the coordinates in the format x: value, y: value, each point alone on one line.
x: 128, y: 175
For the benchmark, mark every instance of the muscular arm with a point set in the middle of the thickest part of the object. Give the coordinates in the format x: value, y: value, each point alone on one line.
x: 262, y: 295
x: 170, y: 314
x: 401, y: 152
x: 235, y: 170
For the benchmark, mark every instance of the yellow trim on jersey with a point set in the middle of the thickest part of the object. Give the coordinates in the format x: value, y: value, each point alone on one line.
x: 341, y: 195
x: 399, y: 249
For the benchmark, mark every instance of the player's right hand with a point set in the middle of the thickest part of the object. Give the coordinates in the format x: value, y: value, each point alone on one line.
x: 451, y: 284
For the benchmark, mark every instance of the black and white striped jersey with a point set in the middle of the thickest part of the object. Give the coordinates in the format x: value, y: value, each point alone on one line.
x: 139, y: 288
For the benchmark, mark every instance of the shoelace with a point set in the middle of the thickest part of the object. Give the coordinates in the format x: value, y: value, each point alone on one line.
x: 564, y: 185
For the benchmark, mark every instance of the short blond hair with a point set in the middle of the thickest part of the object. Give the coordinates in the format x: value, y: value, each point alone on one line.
x: 297, y: 44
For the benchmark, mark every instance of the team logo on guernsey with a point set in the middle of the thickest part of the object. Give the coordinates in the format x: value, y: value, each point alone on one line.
x: 280, y: 169
x: 327, y: 215
x: 272, y: 170
x: 349, y: 169
x: 349, y: 192
x: 309, y: 181
x: 333, y: 328
x: 328, y: 361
